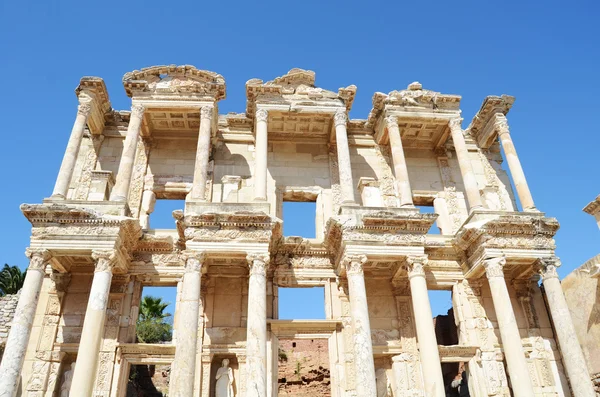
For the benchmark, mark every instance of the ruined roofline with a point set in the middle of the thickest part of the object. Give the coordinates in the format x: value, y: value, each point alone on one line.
x: 593, y: 207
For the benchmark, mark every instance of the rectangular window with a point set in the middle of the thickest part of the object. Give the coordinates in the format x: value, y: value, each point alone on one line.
x: 301, y: 303
x: 155, y: 318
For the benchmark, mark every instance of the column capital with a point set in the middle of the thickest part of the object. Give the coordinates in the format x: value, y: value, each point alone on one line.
x: 38, y: 258
x: 105, y: 260
x: 354, y: 263
x: 84, y: 108
x: 206, y: 113
x: 340, y: 118
x: 494, y: 266
x: 262, y: 115
x: 137, y: 110
x: 415, y: 265
x: 547, y: 267
x: 258, y: 263
x: 455, y: 123
x: 501, y: 124
x: 391, y: 121
x: 194, y: 260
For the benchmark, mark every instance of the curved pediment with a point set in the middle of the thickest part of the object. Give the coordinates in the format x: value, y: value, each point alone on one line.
x: 181, y: 81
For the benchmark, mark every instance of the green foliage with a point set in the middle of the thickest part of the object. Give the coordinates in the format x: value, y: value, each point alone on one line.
x: 282, y: 355
x: 152, y: 324
x: 11, y: 280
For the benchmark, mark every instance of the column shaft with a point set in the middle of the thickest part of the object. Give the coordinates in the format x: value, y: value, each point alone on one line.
x: 509, y: 331
x: 202, y: 154
x: 514, y: 164
x: 93, y: 326
x: 18, y: 337
x: 67, y: 166
x: 572, y: 356
x: 260, y: 160
x: 465, y: 165
x: 359, y: 310
x: 343, y: 153
x: 120, y: 191
x: 400, y: 169
x: 428, y: 347
x: 184, y: 363
x: 256, y: 339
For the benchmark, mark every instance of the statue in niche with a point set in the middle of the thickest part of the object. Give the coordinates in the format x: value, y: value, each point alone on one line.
x: 224, y: 387
x: 65, y: 387
x: 384, y: 387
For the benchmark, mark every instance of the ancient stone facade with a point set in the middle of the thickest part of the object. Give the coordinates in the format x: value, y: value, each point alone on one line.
x: 8, y: 304
x: 93, y: 249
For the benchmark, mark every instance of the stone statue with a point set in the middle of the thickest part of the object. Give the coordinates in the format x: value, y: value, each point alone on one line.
x: 224, y: 387
x: 65, y: 387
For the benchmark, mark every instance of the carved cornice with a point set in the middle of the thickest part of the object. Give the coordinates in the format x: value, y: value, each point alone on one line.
x: 593, y: 207
x: 38, y: 258
x: 547, y: 267
x: 494, y: 267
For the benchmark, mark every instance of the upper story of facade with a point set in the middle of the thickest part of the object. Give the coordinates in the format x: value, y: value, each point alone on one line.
x: 294, y: 142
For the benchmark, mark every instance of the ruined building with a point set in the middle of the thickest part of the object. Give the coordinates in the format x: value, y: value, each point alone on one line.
x: 93, y: 248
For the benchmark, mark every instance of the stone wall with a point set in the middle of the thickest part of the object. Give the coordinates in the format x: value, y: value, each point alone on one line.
x: 304, y: 368
x: 8, y: 304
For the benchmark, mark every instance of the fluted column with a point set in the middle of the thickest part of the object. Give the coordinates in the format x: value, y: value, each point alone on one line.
x: 256, y: 339
x: 202, y: 154
x: 260, y: 160
x: 400, y: 169
x: 120, y: 191
x: 343, y: 153
x: 359, y: 310
x: 18, y: 337
x: 428, y: 346
x: 67, y: 166
x: 184, y: 364
x: 464, y: 164
x: 572, y: 356
x: 514, y: 164
x: 509, y: 331
x: 93, y: 325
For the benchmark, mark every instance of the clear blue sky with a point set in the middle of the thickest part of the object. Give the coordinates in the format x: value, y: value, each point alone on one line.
x: 546, y: 54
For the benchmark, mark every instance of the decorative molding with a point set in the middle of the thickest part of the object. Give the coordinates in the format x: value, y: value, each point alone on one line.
x: 258, y: 263
x: 547, y: 267
x: 262, y: 115
x: 194, y: 260
x: 501, y: 124
x: 415, y: 265
x: 354, y: 263
x: 137, y: 110
x: 340, y: 118
x: 105, y: 260
x: 494, y: 267
x: 38, y: 258
x: 206, y: 113
x: 84, y: 109
x: 455, y: 123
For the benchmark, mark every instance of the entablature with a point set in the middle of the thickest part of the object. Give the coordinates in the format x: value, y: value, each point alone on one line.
x: 483, y: 126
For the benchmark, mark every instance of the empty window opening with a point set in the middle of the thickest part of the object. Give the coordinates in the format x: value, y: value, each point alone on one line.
x: 303, y: 367
x: 446, y: 331
x: 428, y: 209
x: 156, y: 312
x: 148, y: 380
x: 299, y: 218
x: 162, y: 215
x: 301, y: 303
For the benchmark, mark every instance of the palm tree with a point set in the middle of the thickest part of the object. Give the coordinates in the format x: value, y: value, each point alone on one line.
x: 151, y: 325
x: 153, y: 308
x: 11, y: 280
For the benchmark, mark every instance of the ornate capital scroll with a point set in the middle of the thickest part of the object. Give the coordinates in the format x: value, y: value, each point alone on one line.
x: 547, y: 267
x: 455, y: 123
x: 194, y: 260
x: 258, y: 263
x: 415, y: 265
x: 501, y: 124
x: 391, y: 121
x: 84, y: 109
x: 38, y: 258
x: 354, y: 263
x: 137, y: 110
x: 340, y: 118
x: 105, y: 260
x: 206, y: 112
x: 262, y: 115
x: 494, y: 267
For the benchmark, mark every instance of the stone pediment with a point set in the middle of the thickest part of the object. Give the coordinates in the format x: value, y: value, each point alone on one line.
x: 296, y: 88
x: 179, y: 81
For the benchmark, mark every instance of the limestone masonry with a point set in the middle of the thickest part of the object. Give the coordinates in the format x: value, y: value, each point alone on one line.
x: 93, y: 248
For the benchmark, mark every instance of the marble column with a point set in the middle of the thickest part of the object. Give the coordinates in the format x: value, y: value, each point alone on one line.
x: 184, y: 363
x: 260, y: 156
x: 514, y: 164
x: 509, y: 331
x: 359, y: 310
x: 343, y: 153
x: 67, y: 166
x: 93, y: 325
x: 400, y: 169
x: 464, y: 164
x: 256, y: 339
x: 202, y: 154
x: 121, y: 189
x: 428, y: 347
x: 18, y: 337
x: 568, y: 343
